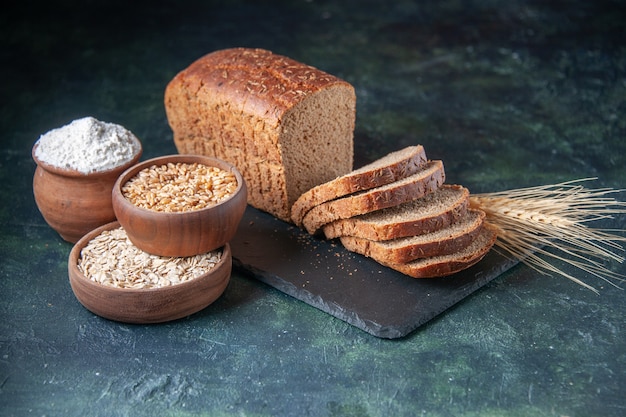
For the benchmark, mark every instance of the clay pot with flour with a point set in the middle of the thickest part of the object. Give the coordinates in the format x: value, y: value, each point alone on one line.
x: 74, y: 203
x: 77, y: 165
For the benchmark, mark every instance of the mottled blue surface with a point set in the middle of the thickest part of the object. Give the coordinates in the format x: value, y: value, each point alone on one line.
x: 507, y: 94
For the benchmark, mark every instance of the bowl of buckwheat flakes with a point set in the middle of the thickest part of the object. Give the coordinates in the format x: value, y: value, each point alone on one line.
x: 114, y: 279
x: 180, y: 205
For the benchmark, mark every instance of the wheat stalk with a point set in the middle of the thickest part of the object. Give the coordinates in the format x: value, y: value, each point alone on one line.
x: 533, y: 222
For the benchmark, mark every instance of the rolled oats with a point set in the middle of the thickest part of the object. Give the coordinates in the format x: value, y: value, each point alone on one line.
x: 111, y: 259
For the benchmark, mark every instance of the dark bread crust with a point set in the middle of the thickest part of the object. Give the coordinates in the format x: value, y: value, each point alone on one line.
x: 390, y: 168
x: 445, y: 241
x: 445, y: 265
x: 425, y: 181
x: 413, y: 218
x: 246, y: 106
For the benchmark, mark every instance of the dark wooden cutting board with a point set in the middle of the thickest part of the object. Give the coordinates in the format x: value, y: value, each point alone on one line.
x: 349, y: 286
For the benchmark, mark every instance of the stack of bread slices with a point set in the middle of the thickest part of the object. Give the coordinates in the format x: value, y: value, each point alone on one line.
x: 399, y: 211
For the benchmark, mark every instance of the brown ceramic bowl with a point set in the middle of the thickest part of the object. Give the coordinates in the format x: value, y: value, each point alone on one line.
x: 74, y: 203
x: 180, y: 233
x: 149, y: 305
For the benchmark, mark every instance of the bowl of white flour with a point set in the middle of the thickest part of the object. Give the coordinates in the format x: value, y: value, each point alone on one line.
x: 77, y: 166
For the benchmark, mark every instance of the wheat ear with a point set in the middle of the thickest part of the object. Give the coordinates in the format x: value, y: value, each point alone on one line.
x: 534, y: 222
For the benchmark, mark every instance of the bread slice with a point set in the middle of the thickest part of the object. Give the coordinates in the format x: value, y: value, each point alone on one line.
x: 402, y: 250
x: 426, y: 180
x: 434, y: 211
x: 392, y: 167
x: 444, y: 265
x: 285, y: 125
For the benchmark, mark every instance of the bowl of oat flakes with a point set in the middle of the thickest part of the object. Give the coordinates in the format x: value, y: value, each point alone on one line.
x: 180, y: 205
x: 114, y: 279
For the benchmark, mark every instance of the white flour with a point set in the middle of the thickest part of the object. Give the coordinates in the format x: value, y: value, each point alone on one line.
x: 87, y: 145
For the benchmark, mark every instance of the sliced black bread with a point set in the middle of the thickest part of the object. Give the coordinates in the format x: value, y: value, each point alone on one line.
x: 432, y: 212
x: 390, y: 168
x: 445, y: 241
x: 444, y: 265
x: 428, y: 179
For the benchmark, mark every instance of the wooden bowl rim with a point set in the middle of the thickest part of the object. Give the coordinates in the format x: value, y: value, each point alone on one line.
x: 75, y: 273
x: 66, y: 172
x: 161, y: 160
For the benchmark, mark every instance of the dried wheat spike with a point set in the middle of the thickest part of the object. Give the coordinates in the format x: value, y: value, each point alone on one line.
x: 552, y: 221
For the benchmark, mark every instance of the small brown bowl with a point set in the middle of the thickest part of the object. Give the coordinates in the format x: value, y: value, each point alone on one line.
x: 186, y: 233
x: 74, y: 203
x: 149, y: 305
